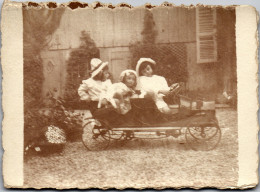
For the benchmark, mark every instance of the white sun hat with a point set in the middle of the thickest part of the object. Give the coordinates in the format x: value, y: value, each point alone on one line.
x: 126, y: 72
x: 96, y: 66
x: 140, y: 61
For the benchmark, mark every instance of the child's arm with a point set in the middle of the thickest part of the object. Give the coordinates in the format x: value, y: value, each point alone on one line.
x: 102, y: 100
x: 108, y: 96
x: 105, y: 94
x: 83, y: 92
x: 164, y: 88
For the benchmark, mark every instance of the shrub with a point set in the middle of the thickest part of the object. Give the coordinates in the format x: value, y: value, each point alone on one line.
x: 78, y: 66
x: 38, y: 25
x: 39, y: 121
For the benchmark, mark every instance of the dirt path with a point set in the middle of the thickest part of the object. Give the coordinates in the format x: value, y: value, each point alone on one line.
x: 156, y: 163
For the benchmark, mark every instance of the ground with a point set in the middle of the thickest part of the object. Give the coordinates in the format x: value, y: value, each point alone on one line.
x: 141, y: 163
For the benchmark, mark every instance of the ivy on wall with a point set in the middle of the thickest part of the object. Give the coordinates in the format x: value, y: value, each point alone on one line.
x: 168, y: 64
x: 78, y: 66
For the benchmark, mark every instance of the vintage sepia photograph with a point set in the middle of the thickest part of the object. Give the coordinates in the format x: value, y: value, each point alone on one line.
x: 130, y: 97
x: 114, y: 96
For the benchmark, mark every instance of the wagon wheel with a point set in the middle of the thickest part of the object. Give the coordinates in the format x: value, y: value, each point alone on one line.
x: 203, y: 138
x: 96, y: 136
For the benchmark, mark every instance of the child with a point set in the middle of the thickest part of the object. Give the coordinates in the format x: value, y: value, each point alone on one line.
x: 119, y: 94
x: 155, y: 86
x: 93, y: 88
x: 129, y: 78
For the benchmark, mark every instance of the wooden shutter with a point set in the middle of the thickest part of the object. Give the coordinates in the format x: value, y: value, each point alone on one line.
x: 206, y: 35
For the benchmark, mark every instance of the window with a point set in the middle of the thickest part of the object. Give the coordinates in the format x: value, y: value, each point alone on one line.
x: 206, y: 35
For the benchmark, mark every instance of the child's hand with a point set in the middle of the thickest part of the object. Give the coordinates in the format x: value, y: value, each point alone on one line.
x: 128, y: 94
x: 174, y: 86
x: 104, y: 102
x: 138, y: 92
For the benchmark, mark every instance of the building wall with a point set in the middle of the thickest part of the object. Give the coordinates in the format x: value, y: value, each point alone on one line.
x: 118, y: 57
x: 115, y: 30
x: 201, y: 76
x: 54, y: 71
x: 122, y: 27
x: 227, y: 70
x: 217, y: 76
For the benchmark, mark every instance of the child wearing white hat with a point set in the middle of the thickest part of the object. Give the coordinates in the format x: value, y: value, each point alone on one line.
x: 155, y: 86
x: 119, y: 94
x: 93, y: 88
x: 129, y: 78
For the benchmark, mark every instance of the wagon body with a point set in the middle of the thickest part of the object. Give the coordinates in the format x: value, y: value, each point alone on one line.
x: 195, y: 119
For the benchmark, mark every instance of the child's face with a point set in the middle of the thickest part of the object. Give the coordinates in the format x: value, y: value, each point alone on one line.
x: 130, y: 80
x: 106, y: 74
x: 103, y: 75
x: 148, y: 71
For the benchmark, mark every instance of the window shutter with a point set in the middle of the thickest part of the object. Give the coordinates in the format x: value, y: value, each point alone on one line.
x: 206, y: 35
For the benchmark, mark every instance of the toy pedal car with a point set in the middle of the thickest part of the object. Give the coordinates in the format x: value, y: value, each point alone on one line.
x: 195, y: 119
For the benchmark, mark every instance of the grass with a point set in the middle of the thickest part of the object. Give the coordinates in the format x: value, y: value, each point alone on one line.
x: 141, y: 163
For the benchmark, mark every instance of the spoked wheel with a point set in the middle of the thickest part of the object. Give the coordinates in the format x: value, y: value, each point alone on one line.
x: 203, y: 138
x: 96, y: 135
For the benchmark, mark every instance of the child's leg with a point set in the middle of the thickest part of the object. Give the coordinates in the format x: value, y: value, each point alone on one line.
x: 168, y: 111
x: 164, y: 108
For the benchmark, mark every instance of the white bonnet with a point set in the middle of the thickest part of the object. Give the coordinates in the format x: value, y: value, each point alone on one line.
x: 126, y: 73
x: 141, y: 60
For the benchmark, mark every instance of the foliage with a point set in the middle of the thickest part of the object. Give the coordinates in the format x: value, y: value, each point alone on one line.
x: 168, y: 64
x: 149, y: 33
x: 38, y: 121
x: 38, y: 25
x: 78, y: 66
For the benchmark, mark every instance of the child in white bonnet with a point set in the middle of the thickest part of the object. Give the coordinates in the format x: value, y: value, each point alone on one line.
x: 119, y: 94
x: 129, y: 78
x: 155, y: 86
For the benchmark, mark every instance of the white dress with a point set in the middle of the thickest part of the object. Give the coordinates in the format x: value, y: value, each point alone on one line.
x: 154, y: 84
x: 118, y: 95
x: 92, y: 90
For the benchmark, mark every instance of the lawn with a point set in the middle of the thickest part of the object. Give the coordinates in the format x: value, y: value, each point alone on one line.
x: 141, y: 163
